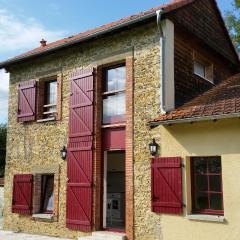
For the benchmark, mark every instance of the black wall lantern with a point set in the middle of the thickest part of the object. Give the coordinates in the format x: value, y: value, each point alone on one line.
x: 153, y: 147
x: 63, y: 152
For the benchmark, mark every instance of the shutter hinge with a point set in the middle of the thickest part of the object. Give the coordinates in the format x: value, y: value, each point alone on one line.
x: 184, y: 205
x: 182, y: 165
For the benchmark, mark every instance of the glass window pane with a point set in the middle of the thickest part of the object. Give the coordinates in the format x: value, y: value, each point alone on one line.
x: 200, y: 165
x: 50, y: 96
x: 120, y: 104
x: 201, y: 201
x: 199, y: 69
x: 116, y: 79
x: 47, y: 188
x: 216, y: 201
x: 113, y: 106
x: 201, y: 183
x: 215, y: 183
x: 214, y: 165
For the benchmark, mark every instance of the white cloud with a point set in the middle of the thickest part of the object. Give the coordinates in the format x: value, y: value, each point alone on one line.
x: 4, y: 80
x: 20, y: 34
x: 4, y: 84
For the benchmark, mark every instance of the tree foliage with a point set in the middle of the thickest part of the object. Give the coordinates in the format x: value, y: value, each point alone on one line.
x: 3, y: 137
x: 233, y: 23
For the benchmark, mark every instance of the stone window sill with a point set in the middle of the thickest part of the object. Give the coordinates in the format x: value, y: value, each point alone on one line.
x: 206, y: 79
x: 209, y: 218
x: 42, y: 216
x: 46, y: 120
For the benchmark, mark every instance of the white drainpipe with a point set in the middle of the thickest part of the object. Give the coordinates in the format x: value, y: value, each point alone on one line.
x: 162, y: 62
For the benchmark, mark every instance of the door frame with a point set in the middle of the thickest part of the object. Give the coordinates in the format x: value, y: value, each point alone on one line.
x: 104, y: 198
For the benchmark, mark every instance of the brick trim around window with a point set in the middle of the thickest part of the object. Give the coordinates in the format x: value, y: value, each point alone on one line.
x: 41, y: 95
x: 38, y: 172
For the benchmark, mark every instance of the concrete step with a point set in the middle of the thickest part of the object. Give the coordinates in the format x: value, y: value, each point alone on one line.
x: 104, y: 235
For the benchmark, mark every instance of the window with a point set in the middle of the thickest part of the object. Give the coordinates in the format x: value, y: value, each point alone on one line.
x: 114, y: 95
x: 50, y: 99
x: 207, y: 195
x: 47, y: 190
x: 203, y: 68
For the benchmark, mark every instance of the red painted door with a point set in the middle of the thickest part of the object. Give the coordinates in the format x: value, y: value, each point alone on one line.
x: 80, y: 152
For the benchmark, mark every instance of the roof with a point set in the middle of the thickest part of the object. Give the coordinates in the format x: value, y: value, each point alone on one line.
x: 221, y: 101
x: 171, y: 6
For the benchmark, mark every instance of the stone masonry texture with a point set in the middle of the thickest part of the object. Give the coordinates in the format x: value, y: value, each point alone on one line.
x: 32, y: 145
x: 36, y: 145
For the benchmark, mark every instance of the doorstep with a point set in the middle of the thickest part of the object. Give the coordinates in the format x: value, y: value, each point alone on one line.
x: 105, y: 235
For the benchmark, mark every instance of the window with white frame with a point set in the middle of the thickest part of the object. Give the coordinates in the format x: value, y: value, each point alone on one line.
x: 202, y: 67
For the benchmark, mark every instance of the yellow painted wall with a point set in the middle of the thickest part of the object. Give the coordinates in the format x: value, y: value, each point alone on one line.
x: 205, y: 139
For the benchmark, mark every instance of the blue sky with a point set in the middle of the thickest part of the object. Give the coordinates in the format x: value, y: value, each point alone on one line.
x: 23, y: 23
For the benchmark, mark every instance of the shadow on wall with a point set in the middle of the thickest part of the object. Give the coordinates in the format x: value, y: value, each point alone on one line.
x: 202, y: 138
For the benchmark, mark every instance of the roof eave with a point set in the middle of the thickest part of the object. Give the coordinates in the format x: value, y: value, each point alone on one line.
x: 194, y: 119
x: 6, y: 63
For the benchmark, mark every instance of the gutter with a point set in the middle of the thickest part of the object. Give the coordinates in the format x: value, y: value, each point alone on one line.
x: 162, y: 61
x: 196, y: 119
x: 83, y: 39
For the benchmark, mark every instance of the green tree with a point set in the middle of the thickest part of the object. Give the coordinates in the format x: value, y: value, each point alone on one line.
x: 233, y: 23
x: 3, y: 137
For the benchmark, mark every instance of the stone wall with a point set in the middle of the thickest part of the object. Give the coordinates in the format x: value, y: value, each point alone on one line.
x: 33, y: 145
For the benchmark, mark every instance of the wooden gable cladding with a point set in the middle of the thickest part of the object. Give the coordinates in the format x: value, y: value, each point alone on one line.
x: 27, y: 91
x: 22, y: 194
x: 80, y: 151
x: 203, y: 19
x: 167, y: 185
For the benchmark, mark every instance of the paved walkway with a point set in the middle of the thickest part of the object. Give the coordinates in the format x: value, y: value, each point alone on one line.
x: 6, y: 235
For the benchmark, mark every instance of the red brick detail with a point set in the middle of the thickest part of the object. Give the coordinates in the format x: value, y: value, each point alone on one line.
x: 1, y: 182
x: 97, y: 163
x: 129, y: 149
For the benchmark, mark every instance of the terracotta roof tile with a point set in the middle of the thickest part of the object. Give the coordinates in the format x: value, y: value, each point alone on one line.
x: 223, y: 98
x: 172, y: 5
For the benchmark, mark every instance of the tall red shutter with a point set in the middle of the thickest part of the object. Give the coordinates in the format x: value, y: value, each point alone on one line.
x: 22, y: 194
x: 167, y: 185
x: 26, y: 101
x: 80, y: 152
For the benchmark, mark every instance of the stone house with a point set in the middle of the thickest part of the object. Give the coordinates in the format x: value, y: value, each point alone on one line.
x: 168, y: 73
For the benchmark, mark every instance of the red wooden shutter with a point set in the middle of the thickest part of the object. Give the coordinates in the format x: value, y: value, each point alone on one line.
x: 26, y: 101
x: 22, y: 194
x: 80, y: 152
x: 167, y: 185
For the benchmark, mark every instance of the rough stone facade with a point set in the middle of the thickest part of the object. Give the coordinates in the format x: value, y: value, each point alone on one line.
x: 33, y: 145
x: 36, y: 145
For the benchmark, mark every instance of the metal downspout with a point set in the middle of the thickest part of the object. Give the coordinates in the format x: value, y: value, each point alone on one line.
x: 162, y: 62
